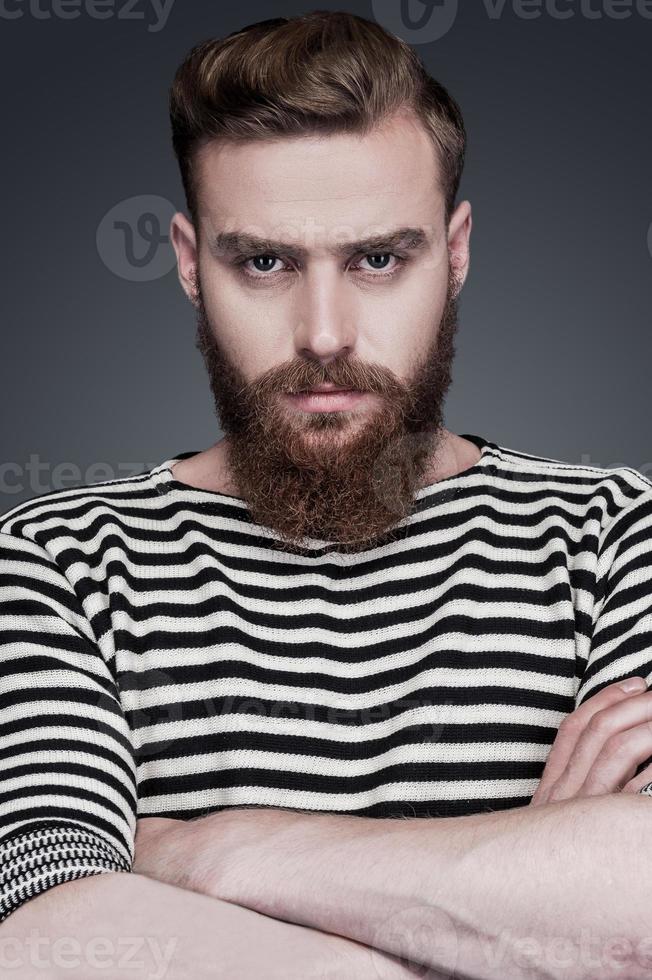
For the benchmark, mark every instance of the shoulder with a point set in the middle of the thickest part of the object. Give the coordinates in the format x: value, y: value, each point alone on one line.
x: 624, y: 483
x: 602, y: 501
x: 76, y: 510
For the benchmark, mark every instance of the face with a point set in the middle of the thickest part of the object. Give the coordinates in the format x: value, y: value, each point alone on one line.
x: 326, y: 261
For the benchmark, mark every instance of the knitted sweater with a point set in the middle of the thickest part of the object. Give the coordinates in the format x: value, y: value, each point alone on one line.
x: 162, y: 656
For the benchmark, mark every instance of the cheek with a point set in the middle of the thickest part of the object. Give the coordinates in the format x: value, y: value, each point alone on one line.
x: 250, y: 340
x: 399, y: 330
x: 227, y: 306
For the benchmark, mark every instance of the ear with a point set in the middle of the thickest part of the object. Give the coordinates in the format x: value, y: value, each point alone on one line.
x: 184, y: 241
x: 459, y: 235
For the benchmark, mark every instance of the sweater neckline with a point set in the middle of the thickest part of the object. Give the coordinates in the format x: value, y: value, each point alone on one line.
x: 167, y: 483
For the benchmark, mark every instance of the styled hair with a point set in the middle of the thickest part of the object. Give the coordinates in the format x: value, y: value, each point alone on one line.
x: 322, y: 73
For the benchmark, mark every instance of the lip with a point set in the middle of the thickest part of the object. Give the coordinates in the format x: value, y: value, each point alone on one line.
x: 328, y: 386
x: 331, y: 400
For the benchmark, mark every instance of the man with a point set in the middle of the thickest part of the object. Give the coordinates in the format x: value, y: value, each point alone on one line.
x: 340, y: 613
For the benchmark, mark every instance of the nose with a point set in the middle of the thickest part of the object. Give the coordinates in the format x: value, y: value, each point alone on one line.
x: 325, y: 315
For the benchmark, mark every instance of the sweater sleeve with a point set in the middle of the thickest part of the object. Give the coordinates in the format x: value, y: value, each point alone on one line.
x: 621, y: 641
x: 68, y: 799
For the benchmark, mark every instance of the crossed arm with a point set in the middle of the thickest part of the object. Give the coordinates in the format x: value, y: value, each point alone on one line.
x: 561, y: 890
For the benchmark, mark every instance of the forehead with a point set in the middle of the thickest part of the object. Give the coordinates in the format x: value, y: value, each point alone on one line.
x: 388, y: 177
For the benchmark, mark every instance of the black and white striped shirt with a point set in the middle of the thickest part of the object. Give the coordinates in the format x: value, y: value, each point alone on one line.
x: 162, y: 657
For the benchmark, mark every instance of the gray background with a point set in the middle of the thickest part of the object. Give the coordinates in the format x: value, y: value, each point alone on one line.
x: 99, y: 364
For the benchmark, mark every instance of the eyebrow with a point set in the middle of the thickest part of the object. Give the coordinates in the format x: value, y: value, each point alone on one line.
x: 235, y: 242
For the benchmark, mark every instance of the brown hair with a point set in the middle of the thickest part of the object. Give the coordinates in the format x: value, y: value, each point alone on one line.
x: 324, y: 72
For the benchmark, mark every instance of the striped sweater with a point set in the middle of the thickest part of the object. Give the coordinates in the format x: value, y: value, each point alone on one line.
x: 162, y: 656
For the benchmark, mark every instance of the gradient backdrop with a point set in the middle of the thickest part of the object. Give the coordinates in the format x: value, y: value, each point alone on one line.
x: 99, y: 376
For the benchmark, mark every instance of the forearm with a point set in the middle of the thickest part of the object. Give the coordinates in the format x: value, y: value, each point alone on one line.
x: 561, y: 890
x: 110, y: 925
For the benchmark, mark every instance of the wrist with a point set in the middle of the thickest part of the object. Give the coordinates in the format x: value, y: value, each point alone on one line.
x: 251, y: 855
x: 201, y: 849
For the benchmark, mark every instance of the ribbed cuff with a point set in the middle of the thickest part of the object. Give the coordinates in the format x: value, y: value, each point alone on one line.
x: 39, y: 858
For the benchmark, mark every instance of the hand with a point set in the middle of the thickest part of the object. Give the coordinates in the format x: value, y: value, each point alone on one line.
x: 599, y: 747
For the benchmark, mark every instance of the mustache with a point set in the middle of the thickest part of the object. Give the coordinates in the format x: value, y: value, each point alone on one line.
x: 300, y: 376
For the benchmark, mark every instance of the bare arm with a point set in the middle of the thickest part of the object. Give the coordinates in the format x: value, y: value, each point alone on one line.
x: 557, y: 891
x: 118, y: 924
